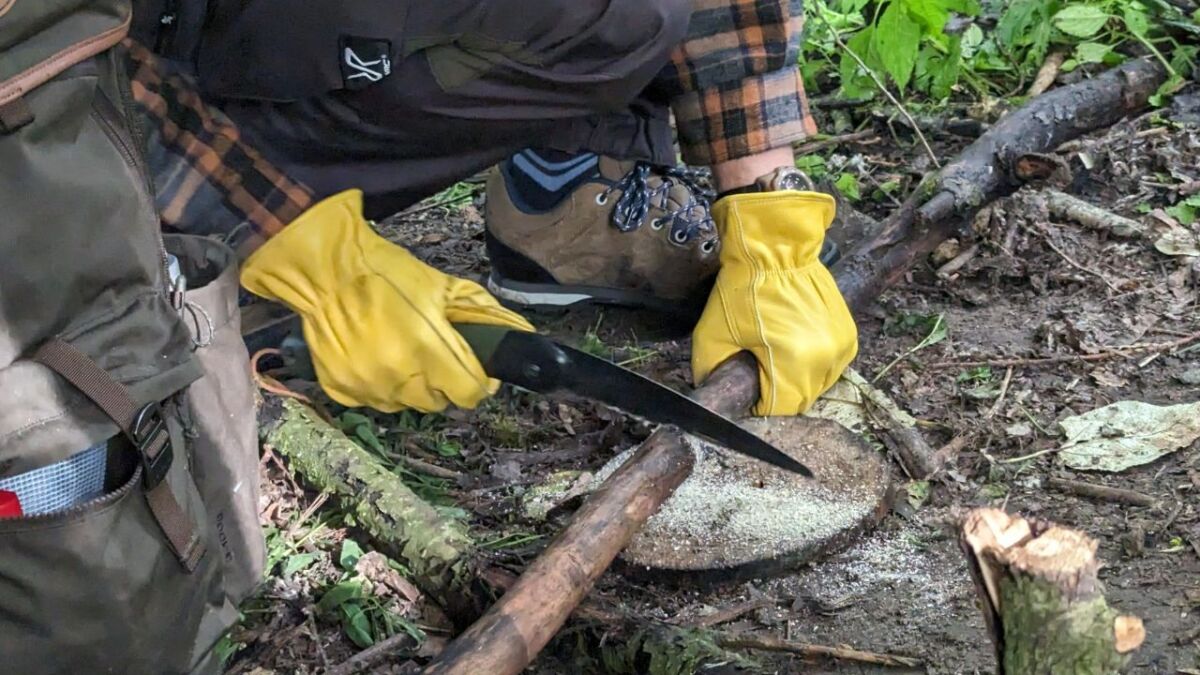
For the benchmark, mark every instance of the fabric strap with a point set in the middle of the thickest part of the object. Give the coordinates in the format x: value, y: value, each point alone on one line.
x: 145, y: 429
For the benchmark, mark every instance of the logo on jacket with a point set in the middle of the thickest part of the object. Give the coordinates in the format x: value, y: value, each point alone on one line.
x: 364, y: 61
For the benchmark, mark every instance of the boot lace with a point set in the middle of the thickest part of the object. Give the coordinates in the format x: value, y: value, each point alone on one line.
x: 688, y: 221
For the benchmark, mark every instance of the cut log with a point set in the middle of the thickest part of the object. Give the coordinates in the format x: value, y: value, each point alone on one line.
x: 402, y: 525
x: 1043, y: 602
x: 516, y: 628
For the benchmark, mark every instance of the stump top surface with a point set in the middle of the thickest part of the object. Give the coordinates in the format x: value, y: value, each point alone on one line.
x: 741, y: 517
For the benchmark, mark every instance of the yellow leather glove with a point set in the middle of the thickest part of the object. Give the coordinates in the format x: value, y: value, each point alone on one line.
x: 376, y: 319
x: 774, y: 298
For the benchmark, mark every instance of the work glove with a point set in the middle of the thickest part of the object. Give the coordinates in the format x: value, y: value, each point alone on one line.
x: 775, y: 299
x: 376, y: 319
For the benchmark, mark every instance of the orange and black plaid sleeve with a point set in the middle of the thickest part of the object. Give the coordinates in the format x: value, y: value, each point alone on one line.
x: 207, y: 181
x: 734, y: 83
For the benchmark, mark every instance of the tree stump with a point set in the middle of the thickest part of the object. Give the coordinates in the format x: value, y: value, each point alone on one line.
x: 1042, y: 599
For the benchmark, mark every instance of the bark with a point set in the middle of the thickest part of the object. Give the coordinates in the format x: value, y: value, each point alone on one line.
x: 516, y: 628
x: 1042, y: 599
x: 985, y: 171
x: 402, y: 525
x: 1067, y: 206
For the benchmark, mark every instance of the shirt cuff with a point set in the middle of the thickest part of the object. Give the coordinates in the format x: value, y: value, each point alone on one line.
x: 757, y: 114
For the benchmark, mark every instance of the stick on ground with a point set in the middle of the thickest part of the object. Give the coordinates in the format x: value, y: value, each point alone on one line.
x: 404, y: 526
x: 774, y: 644
x: 1102, y: 492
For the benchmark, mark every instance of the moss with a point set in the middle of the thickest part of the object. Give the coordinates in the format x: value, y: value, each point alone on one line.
x: 1046, y: 632
x: 434, y: 547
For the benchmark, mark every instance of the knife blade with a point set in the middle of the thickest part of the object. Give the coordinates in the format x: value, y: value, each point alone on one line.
x: 541, y: 365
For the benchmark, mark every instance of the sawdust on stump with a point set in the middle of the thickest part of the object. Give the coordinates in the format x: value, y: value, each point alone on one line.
x: 736, y: 517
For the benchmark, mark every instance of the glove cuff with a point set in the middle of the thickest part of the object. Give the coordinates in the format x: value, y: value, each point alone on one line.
x: 773, y: 230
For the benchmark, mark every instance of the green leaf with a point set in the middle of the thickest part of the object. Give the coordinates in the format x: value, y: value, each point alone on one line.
x: 1018, y: 18
x: 945, y: 71
x: 1184, y: 212
x: 897, y: 40
x: 1136, y: 20
x: 356, y: 625
x: 1080, y: 20
x: 1091, y: 52
x: 813, y: 165
x: 339, y: 595
x: 931, y: 14
x: 297, y: 562
x: 972, y: 39
x: 448, y: 449
x: 351, y: 553
x: 937, y: 333
x: 994, y: 490
x: 366, y: 434
x: 349, y: 420
x: 918, y: 492
x: 847, y: 184
x: 978, y: 374
x: 855, y: 82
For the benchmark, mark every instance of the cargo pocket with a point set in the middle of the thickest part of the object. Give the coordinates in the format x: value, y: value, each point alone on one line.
x: 220, y: 421
x: 93, y: 583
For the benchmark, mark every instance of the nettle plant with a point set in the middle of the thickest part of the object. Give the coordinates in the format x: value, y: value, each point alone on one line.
x: 990, y: 48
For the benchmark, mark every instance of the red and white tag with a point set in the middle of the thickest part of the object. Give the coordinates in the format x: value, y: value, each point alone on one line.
x: 10, y: 505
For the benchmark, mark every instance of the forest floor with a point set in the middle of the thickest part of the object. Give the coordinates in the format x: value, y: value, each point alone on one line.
x: 1044, y: 319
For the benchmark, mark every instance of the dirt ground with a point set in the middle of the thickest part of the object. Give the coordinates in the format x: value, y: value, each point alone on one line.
x: 1036, y: 286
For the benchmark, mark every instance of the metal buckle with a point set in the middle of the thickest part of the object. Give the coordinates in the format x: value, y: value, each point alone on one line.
x: 147, y: 425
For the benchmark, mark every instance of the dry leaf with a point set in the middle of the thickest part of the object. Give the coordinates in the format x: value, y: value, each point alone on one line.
x: 1128, y: 433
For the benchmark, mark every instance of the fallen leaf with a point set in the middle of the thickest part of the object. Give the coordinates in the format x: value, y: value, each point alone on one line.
x: 507, y: 470
x: 1178, y: 241
x: 374, y: 567
x: 1189, y: 376
x: 1019, y: 430
x: 1106, y: 378
x: 1127, y: 433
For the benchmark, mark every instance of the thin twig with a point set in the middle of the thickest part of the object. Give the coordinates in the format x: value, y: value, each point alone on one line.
x: 425, y: 467
x: 1000, y: 399
x: 1110, y: 494
x: 1046, y: 74
x: 1071, y: 261
x: 728, y: 614
x: 374, y: 653
x: 774, y: 644
x: 899, y: 106
x: 1108, y: 353
x: 832, y: 141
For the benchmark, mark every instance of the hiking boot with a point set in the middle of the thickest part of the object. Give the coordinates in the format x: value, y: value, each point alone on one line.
x: 568, y: 229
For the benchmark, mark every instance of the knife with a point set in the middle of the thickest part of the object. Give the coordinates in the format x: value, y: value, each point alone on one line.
x: 539, y: 364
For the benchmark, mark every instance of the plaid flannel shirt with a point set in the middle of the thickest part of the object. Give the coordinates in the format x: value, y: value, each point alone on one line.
x: 734, y: 83
x: 734, y: 87
x: 207, y: 181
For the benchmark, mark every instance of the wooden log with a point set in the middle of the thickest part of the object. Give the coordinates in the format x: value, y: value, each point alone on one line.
x: 401, y: 524
x: 984, y: 171
x: 516, y: 628
x: 1042, y: 600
